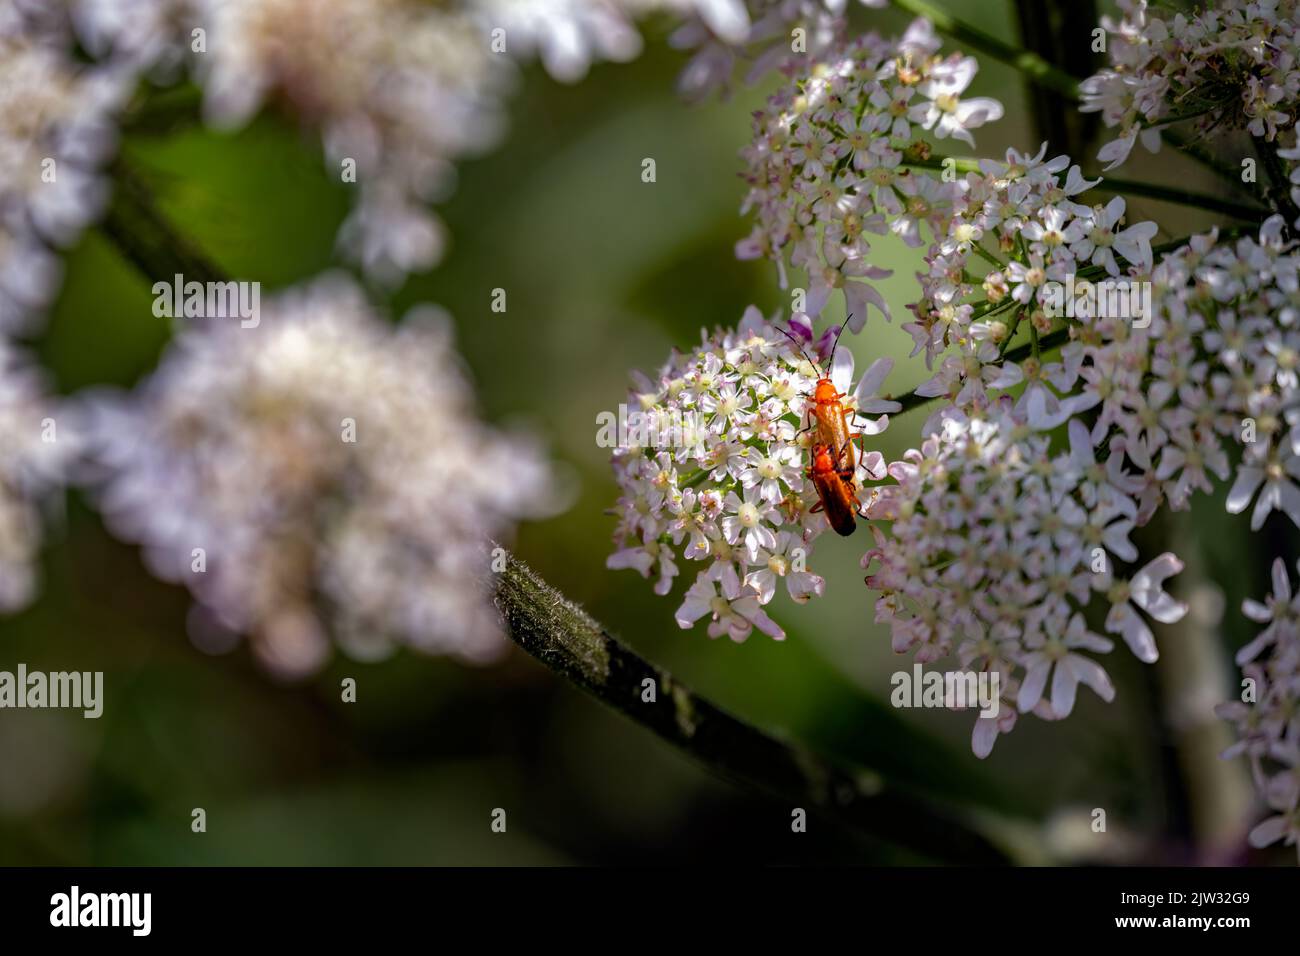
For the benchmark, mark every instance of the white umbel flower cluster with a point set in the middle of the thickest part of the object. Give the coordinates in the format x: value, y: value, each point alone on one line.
x: 1230, y: 66
x: 330, y: 468
x: 1216, y: 368
x: 56, y: 128
x: 996, y: 548
x: 844, y: 155
x: 827, y: 167
x: 1015, y: 231
x: 724, y: 483
x: 1268, y: 718
x: 995, y: 544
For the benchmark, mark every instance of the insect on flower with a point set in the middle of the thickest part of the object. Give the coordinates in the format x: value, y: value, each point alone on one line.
x: 836, y: 489
x: 833, y: 466
x: 828, y: 417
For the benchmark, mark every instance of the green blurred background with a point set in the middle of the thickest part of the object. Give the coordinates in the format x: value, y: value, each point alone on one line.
x: 603, y: 273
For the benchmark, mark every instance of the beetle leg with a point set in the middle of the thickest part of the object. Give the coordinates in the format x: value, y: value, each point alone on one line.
x: 840, y: 457
x: 860, y: 436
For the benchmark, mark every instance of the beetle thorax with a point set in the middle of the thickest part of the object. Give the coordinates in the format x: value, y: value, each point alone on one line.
x: 823, y: 464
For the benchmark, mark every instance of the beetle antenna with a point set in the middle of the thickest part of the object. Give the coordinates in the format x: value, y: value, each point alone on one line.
x: 846, y: 321
x: 800, y: 348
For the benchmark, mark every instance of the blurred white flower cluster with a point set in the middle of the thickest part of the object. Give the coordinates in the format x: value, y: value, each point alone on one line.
x: 56, y: 128
x: 333, y: 473
x: 1268, y: 717
x: 402, y: 89
x: 731, y: 492
x: 1228, y: 67
x: 235, y: 446
x: 37, y: 451
x: 827, y: 164
x: 994, y: 550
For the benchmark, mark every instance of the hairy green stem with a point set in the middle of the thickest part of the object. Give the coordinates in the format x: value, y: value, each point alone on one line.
x: 568, y: 641
x: 1183, y: 197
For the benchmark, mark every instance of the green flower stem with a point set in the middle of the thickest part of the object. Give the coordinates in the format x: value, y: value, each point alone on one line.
x: 1184, y: 197
x: 960, y: 164
x: 988, y: 257
x: 1011, y: 334
x: 695, y: 478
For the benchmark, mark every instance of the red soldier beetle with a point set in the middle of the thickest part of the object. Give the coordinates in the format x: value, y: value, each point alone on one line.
x: 828, y: 417
x: 836, y: 490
